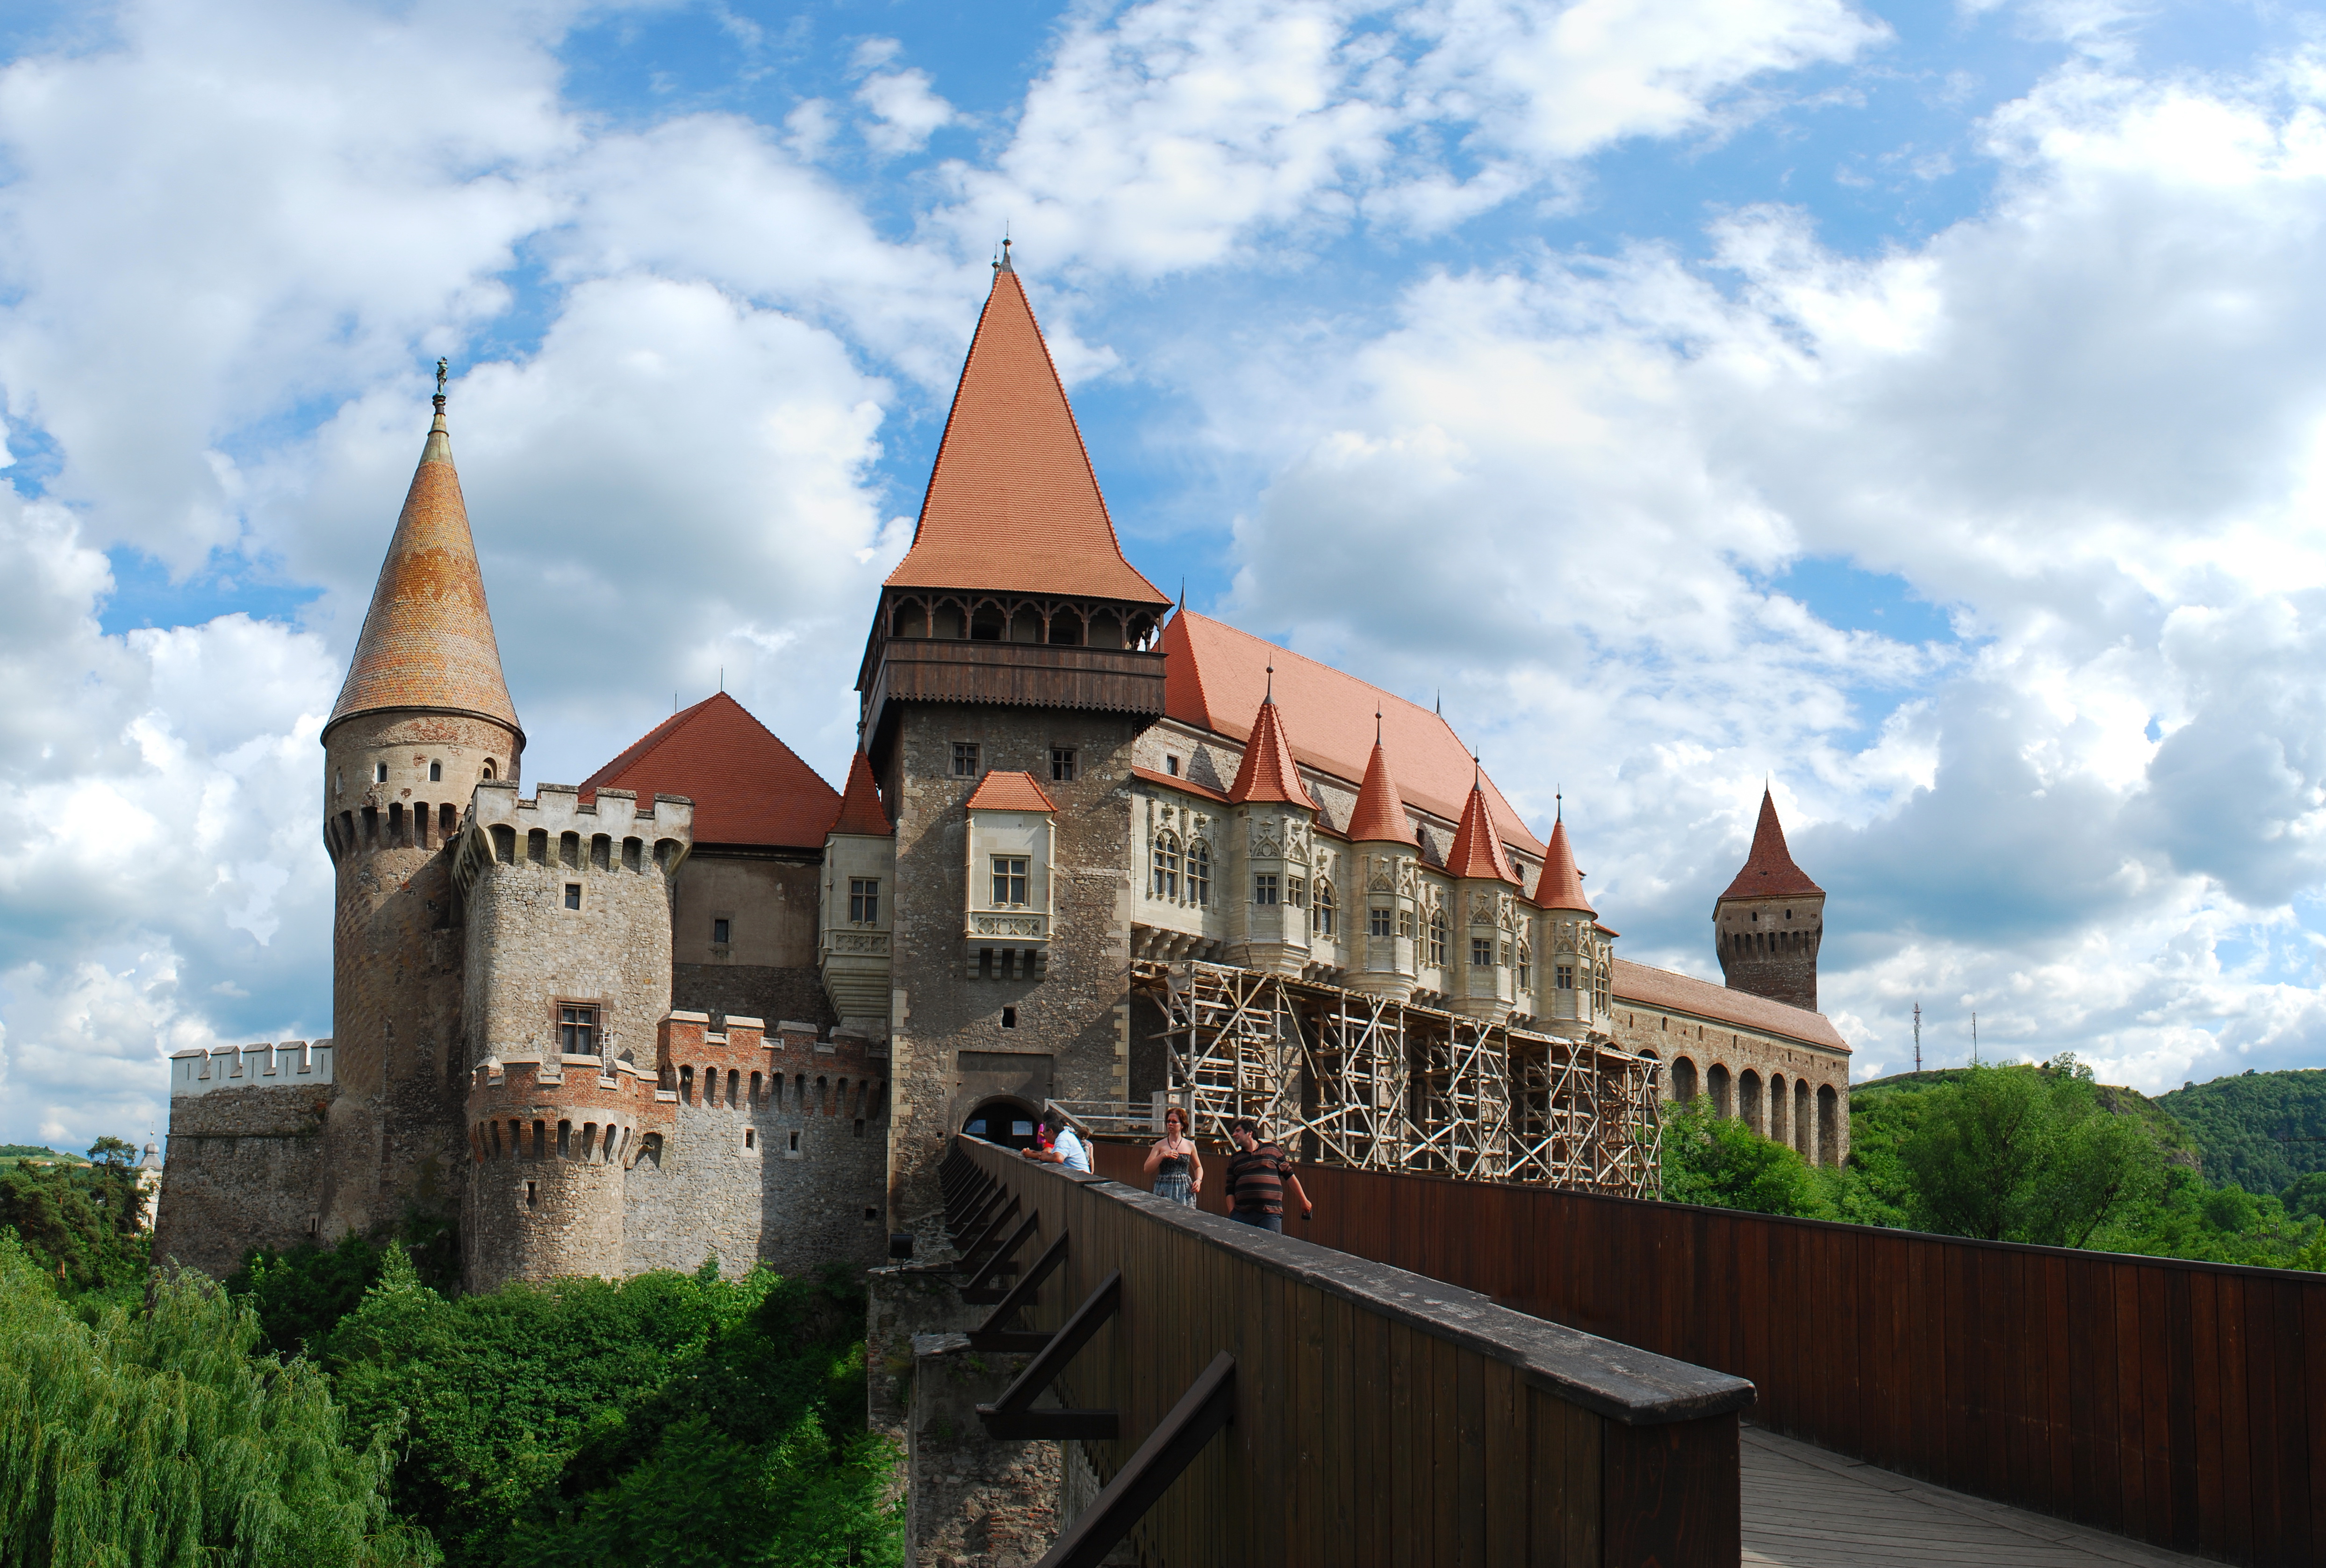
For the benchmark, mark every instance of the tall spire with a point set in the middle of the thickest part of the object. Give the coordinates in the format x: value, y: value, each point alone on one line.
x: 427, y: 641
x: 1012, y: 503
x: 1769, y: 871
x: 1561, y: 886
x: 1478, y: 850
x: 1380, y: 816
x: 1269, y: 772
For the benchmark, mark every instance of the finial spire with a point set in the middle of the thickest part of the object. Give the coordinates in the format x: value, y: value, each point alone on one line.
x: 1271, y: 682
x: 1478, y: 770
x: 1441, y: 702
x: 1377, y: 724
x: 1558, y: 804
x: 1003, y: 265
x: 1183, y: 596
x: 442, y: 367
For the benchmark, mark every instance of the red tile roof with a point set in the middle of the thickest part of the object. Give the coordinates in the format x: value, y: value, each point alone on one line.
x: 1641, y: 986
x: 1009, y: 792
x: 859, y: 803
x: 747, y: 787
x: 1178, y: 783
x: 1012, y: 505
x: 1562, y: 885
x: 427, y: 641
x: 1214, y: 676
x: 1268, y: 772
x: 1769, y: 871
x: 1477, y: 848
x: 1380, y: 816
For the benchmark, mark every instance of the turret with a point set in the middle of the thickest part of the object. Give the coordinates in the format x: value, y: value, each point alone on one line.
x: 1273, y: 817
x: 856, y: 903
x: 1769, y: 925
x: 1487, y: 930
x: 1570, y: 975
x: 1385, y: 936
x: 423, y: 717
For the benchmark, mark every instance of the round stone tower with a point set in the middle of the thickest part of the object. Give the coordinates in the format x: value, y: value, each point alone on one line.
x: 550, y: 1140
x: 1770, y: 923
x: 423, y: 717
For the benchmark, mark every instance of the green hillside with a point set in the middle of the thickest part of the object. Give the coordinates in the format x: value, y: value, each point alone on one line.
x: 2180, y: 1146
x: 2244, y: 1124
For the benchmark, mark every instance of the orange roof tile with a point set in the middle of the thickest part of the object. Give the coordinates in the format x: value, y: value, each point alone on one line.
x: 1643, y: 987
x: 1009, y: 792
x: 1477, y: 848
x: 1380, y: 816
x: 1268, y: 772
x: 860, y: 804
x: 1769, y: 871
x: 1012, y: 505
x: 1178, y: 783
x: 427, y: 640
x: 1562, y: 885
x: 748, y: 786
x: 1214, y: 676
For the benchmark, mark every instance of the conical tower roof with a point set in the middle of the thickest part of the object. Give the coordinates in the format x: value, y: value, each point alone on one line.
x: 427, y: 640
x: 1477, y: 848
x: 1561, y: 886
x: 1769, y: 871
x: 1380, y: 817
x: 1268, y: 772
x: 1012, y: 505
x: 860, y: 808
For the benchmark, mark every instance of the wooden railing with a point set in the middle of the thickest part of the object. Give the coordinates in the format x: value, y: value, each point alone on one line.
x: 1250, y: 1398
x: 2180, y: 1403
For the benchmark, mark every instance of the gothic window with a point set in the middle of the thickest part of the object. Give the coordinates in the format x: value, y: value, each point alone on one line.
x: 1481, y: 952
x: 1377, y: 922
x: 1296, y: 892
x: 1599, y: 990
x: 964, y: 759
x: 1263, y: 889
x: 1405, y: 924
x: 577, y: 1029
x: 436, y: 773
x: 1323, y: 907
x: 488, y: 767
x: 1199, y: 873
x: 1437, y: 937
x: 1167, y: 865
x: 1061, y: 765
x: 863, y: 900
x: 1502, y: 954
x: 1009, y: 880
x: 1526, y: 967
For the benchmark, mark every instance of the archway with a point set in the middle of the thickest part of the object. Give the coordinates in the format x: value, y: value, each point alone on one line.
x: 1828, y: 1130
x: 1683, y: 1080
x: 1803, y: 1142
x: 1777, y: 1108
x: 1748, y: 1099
x: 1007, y: 1122
x: 1716, y: 1083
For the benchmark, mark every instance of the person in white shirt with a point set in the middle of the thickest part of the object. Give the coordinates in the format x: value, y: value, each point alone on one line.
x: 1068, y: 1151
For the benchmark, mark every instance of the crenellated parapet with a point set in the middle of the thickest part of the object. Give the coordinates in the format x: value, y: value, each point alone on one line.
x: 294, y: 1063
x: 739, y: 1064
x: 558, y: 830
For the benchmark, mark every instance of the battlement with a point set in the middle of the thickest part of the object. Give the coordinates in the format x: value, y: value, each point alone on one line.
x: 295, y: 1063
x: 560, y: 808
x: 688, y: 1039
x: 565, y: 1106
x: 558, y: 828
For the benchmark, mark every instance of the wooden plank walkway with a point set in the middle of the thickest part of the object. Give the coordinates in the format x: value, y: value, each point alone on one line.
x: 1805, y: 1507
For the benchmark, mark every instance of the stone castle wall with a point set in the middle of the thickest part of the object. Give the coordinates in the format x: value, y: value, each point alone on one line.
x: 246, y: 1154
x: 548, y: 1139
x: 1786, y: 1090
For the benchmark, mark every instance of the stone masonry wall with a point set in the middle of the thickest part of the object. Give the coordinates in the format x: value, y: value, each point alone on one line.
x: 1697, y: 1053
x: 243, y: 1170
x: 547, y: 1141
x: 1077, y: 1014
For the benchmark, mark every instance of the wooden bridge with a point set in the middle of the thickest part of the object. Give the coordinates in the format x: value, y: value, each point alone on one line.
x: 1446, y: 1371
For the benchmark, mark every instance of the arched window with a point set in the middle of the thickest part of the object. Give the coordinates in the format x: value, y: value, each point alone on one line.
x: 1526, y: 967
x: 1167, y: 866
x: 1324, y: 911
x: 1438, y: 938
x: 488, y: 768
x: 1716, y: 1082
x: 1683, y: 1080
x: 1199, y: 872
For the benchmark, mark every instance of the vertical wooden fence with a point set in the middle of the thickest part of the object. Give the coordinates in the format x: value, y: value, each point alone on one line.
x: 2180, y: 1403
x: 1378, y: 1417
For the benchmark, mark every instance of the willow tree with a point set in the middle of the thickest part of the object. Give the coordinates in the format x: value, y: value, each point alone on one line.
x: 157, y: 1437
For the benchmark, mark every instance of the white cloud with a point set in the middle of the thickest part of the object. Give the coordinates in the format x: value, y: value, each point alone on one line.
x: 905, y: 110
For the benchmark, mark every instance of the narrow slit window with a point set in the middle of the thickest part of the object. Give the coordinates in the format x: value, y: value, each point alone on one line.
x: 436, y: 773
x: 379, y: 773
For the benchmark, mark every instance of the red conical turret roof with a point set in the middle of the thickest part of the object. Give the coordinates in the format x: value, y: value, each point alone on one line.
x: 1477, y: 848
x: 1380, y: 817
x: 1268, y: 772
x: 1012, y: 505
x: 1561, y: 886
x: 427, y: 641
x: 860, y: 807
x: 1769, y: 871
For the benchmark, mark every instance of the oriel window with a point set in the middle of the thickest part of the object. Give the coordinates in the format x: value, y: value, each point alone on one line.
x: 1296, y: 892
x: 1481, y: 952
x: 1324, y: 913
x: 964, y: 759
x: 577, y: 1031
x: 1377, y: 923
x: 1263, y: 889
x: 1566, y: 977
x: 1438, y: 939
x: 1526, y: 967
x: 863, y: 900
x: 1061, y: 765
x: 1009, y: 880
x: 1199, y: 874
x: 1167, y: 865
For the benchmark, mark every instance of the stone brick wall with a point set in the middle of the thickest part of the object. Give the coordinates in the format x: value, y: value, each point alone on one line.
x: 767, y: 898
x: 1077, y: 1014
x: 1768, y: 946
x: 752, y: 992
x: 244, y: 1170
x: 548, y: 1139
x: 1716, y: 1058
x: 393, y: 1142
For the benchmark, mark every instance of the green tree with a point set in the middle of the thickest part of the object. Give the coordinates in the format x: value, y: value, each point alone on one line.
x: 1721, y: 1162
x: 156, y: 1437
x: 2306, y: 1198
x: 79, y: 1224
x: 2022, y: 1154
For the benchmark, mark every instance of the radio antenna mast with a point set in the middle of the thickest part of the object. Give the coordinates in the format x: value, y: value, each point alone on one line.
x: 1918, y: 1036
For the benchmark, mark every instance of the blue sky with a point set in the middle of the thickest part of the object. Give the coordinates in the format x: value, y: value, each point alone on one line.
x: 1917, y: 406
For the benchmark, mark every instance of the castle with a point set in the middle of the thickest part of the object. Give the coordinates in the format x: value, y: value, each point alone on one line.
x: 701, y: 1003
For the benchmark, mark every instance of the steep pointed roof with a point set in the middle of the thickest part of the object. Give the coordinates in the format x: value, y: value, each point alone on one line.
x: 1769, y: 871
x: 860, y: 810
x: 1380, y: 816
x: 1268, y: 772
x: 427, y: 640
x: 1560, y: 886
x: 1010, y: 792
x: 1478, y: 847
x: 1012, y: 505
x: 748, y: 786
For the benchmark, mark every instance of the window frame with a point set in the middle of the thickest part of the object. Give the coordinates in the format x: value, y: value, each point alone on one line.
x: 1380, y: 920
x: 1323, y: 910
x: 1438, y: 939
x: 578, y: 1021
x: 1061, y: 765
x: 1481, y: 952
x: 1009, y: 876
x: 1164, y: 881
x: 722, y: 930
x: 1199, y: 873
x: 864, y: 901
x: 1264, y: 889
x: 573, y: 900
x: 967, y: 755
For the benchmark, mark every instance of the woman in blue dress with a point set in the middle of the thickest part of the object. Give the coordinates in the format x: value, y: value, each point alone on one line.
x: 1172, y: 1161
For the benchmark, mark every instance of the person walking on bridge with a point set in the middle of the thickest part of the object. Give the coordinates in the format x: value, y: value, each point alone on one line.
x: 1172, y: 1161
x: 1258, y: 1178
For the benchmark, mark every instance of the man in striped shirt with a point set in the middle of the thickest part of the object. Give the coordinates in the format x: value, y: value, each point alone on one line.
x: 1257, y: 1178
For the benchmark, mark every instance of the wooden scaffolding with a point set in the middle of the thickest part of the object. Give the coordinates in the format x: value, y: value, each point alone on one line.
x: 1342, y: 1078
